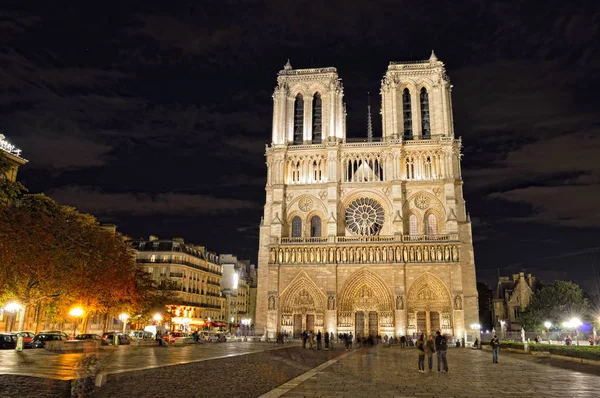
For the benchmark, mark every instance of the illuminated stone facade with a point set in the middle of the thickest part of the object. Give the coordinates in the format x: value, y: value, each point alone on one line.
x: 368, y: 237
x: 14, y: 157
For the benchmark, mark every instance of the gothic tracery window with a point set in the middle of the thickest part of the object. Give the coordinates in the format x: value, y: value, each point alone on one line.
x: 296, y: 227
x: 315, y: 227
x: 432, y: 225
x: 413, y: 227
x: 407, y: 113
x: 425, y: 123
x: 365, y: 216
x: 299, y: 119
x: 316, y: 119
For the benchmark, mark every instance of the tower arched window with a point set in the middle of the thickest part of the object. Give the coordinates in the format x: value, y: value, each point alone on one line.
x: 413, y: 226
x: 432, y: 225
x: 317, y: 119
x: 407, y: 114
x: 296, y: 227
x: 425, y: 123
x: 315, y: 227
x: 299, y: 119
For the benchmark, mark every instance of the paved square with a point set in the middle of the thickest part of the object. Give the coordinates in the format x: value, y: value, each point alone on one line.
x: 392, y: 372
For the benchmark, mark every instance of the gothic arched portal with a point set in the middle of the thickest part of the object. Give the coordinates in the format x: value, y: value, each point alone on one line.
x: 428, y: 305
x: 302, y: 306
x: 365, y: 305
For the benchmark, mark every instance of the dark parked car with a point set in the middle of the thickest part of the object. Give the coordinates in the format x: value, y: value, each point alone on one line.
x: 8, y: 340
x: 88, y: 336
x: 27, y: 338
x: 109, y: 338
x: 65, y: 335
x: 39, y: 341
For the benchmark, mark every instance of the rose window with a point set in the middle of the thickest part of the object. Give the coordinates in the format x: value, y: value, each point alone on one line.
x: 365, y: 217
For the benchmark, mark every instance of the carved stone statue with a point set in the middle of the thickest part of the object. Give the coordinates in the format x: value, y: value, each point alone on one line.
x: 399, y: 303
x: 458, y: 303
x: 271, y: 302
x: 331, y: 303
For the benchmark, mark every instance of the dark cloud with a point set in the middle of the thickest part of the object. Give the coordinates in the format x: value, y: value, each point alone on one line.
x: 129, y: 112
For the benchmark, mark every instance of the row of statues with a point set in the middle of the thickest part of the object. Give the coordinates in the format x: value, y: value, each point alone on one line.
x: 364, y: 254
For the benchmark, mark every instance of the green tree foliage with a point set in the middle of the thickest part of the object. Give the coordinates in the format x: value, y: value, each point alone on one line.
x: 557, y: 303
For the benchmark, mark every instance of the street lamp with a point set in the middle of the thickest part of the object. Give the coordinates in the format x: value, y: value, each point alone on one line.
x: 574, y: 323
x: 76, y: 312
x: 157, y: 317
x: 547, y: 325
x: 123, y: 318
x: 14, y: 308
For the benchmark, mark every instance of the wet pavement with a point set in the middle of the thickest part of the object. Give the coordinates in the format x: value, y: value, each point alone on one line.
x: 42, y: 363
x: 392, y: 372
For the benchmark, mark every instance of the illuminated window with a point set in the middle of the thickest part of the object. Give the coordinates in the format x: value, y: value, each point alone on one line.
x: 296, y: 227
x: 407, y: 113
x: 315, y: 226
x: 413, y: 227
x: 425, y: 125
x: 316, y: 119
x: 432, y: 225
x: 299, y: 119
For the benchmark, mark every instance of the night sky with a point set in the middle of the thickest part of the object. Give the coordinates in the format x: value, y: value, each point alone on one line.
x: 155, y: 118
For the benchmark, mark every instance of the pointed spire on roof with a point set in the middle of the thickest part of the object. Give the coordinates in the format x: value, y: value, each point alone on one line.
x: 369, y: 123
x: 288, y: 65
x: 433, y: 58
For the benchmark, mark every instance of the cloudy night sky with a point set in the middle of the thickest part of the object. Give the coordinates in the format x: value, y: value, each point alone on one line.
x: 155, y: 118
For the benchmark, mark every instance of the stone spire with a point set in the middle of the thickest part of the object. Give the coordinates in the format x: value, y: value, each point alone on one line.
x: 288, y: 66
x: 432, y: 58
x: 369, y: 124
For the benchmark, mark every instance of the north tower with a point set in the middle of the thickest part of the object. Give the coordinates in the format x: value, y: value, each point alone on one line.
x: 370, y: 237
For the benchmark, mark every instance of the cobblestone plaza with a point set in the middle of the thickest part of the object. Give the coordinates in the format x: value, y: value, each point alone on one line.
x: 257, y: 369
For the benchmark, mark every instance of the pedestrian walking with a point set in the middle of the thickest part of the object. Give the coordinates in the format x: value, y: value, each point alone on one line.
x: 319, y: 337
x: 495, y: 343
x: 331, y: 341
x: 441, y: 347
x: 402, y: 341
x: 326, y: 340
x: 421, y: 352
x: 429, y: 350
x: 311, y: 339
x: 304, y: 338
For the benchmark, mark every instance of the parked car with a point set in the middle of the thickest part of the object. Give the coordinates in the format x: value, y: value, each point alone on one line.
x: 27, y: 338
x: 40, y: 339
x: 140, y: 335
x: 65, y: 335
x: 209, y: 337
x: 8, y: 340
x: 88, y: 336
x: 170, y: 338
x: 109, y: 338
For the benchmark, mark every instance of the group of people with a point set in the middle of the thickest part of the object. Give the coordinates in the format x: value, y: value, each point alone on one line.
x: 309, y: 337
x: 428, y: 347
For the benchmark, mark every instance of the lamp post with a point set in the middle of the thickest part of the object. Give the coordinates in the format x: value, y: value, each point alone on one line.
x: 76, y: 313
x: 547, y: 325
x: 14, y: 308
x: 123, y: 318
x: 574, y: 323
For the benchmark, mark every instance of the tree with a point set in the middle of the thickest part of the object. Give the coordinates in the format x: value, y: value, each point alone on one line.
x: 555, y: 303
x: 9, y: 190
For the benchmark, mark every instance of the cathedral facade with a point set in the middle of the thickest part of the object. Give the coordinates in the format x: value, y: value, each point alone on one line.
x: 366, y: 236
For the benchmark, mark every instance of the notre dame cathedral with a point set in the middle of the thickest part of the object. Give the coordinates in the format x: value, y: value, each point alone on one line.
x: 366, y: 236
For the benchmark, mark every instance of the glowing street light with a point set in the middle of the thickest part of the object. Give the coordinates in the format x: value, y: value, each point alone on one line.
x: 548, y: 324
x: 123, y: 318
x: 477, y: 327
x: 76, y: 312
x: 14, y: 308
x: 574, y: 323
x: 157, y: 317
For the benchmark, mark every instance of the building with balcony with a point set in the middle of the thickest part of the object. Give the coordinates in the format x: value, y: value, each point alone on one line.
x: 195, y: 274
x: 369, y: 236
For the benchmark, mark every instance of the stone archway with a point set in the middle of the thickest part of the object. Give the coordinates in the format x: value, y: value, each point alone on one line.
x: 365, y: 305
x: 302, y: 306
x: 429, y: 306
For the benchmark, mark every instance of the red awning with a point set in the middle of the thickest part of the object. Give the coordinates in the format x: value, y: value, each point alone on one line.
x: 235, y: 325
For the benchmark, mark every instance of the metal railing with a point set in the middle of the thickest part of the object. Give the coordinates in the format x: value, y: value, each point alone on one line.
x: 180, y: 262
